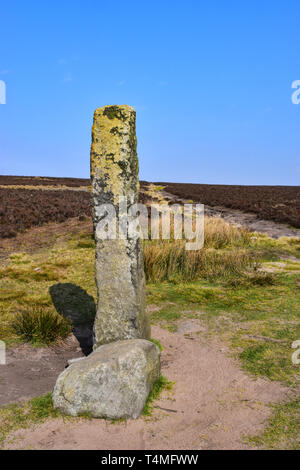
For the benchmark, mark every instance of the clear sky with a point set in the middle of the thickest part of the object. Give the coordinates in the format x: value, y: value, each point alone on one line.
x: 210, y: 81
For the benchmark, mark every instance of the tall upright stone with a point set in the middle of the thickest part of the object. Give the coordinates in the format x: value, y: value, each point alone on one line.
x: 119, y: 264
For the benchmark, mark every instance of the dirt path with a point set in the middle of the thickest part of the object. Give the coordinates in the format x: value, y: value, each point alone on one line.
x: 30, y: 372
x: 213, y: 405
x: 242, y: 219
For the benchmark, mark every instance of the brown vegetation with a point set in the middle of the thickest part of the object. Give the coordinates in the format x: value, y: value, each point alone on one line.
x: 24, y: 208
x: 42, y: 181
x: 34, y: 201
x: 278, y: 203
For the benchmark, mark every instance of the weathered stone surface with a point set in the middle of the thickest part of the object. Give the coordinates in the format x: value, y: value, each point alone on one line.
x: 112, y: 382
x: 119, y: 263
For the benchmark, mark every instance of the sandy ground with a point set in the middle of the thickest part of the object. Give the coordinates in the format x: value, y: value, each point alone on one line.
x: 213, y: 405
x: 30, y: 372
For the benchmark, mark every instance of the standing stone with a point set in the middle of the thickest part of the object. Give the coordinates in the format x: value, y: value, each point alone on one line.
x: 119, y: 265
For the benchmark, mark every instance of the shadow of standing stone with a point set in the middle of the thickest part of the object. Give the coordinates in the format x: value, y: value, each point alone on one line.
x: 75, y: 303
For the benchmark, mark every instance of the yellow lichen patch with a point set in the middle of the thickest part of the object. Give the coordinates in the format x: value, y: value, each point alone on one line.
x: 113, y: 147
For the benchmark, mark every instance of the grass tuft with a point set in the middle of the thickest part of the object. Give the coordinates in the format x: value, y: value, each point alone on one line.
x: 252, y: 280
x: 39, y: 326
x: 170, y: 261
x: 220, y: 234
x: 155, y: 341
x: 86, y: 244
x: 283, y: 429
x: 159, y: 385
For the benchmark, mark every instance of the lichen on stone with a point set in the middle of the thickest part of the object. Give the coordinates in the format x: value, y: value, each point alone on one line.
x: 119, y: 263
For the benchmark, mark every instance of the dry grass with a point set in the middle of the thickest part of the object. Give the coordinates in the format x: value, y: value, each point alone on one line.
x: 171, y: 261
x: 220, y: 234
x: 224, y: 255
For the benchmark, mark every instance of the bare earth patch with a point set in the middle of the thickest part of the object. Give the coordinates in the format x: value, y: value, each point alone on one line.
x: 213, y: 405
x: 30, y: 372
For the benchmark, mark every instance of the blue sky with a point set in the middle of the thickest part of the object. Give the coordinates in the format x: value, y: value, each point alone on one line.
x: 210, y: 81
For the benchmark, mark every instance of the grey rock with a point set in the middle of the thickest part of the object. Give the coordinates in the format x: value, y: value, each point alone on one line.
x: 113, y: 382
x: 119, y: 265
x: 75, y: 359
x: 189, y: 326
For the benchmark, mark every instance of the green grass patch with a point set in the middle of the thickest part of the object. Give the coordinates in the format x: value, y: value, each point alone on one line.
x: 270, y: 249
x: 41, y: 327
x: 28, y: 283
x: 158, y: 387
x: 265, y: 359
x: 259, y: 322
x: 86, y: 244
x: 20, y: 416
x: 155, y: 341
x: 283, y: 428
